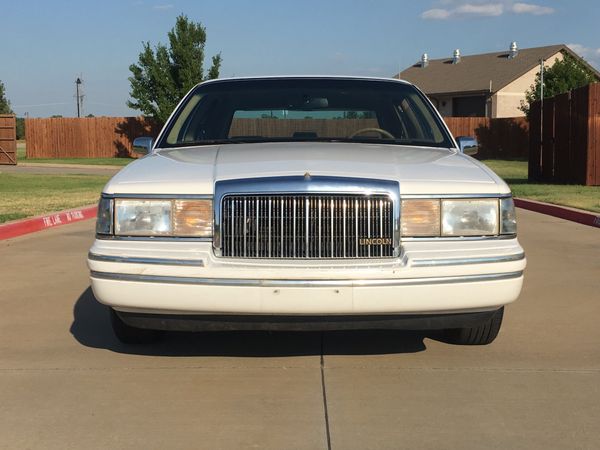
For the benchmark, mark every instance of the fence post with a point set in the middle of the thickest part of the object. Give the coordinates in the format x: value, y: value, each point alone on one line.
x: 535, y: 142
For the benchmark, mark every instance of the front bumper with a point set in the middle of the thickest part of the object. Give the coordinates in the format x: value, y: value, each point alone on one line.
x: 175, y: 278
x: 206, y: 322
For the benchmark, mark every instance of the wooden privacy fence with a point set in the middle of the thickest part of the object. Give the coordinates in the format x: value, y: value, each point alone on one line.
x: 565, y: 137
x: 289, y: 127
x: 8, y: 139
x: 505, y: 138
x: 97, y: 137
x: 89, y: 137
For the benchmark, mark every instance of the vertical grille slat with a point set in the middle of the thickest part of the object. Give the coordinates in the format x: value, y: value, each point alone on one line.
x: 307, y: 226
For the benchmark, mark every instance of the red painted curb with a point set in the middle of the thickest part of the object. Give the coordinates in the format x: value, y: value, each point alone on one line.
x: 574, y: 215
x: 26, y: 226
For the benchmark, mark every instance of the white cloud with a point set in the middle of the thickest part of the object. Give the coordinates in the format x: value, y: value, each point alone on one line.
x: 586, y: 52
x: 483, y: 9
x: 528, y: 8
x: 162, y: 7
x: 436, y: 14
x: 459, y: 9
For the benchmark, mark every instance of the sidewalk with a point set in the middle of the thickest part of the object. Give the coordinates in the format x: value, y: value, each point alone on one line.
x: 56, y: 169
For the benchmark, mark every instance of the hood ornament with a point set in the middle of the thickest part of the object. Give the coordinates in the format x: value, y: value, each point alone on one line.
x: 307, y: 176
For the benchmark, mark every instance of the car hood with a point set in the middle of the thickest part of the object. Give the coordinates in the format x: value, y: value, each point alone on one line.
x: 194, y: 170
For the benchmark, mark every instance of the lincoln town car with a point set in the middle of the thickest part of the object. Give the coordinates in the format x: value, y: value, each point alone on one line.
x: 306, y: 203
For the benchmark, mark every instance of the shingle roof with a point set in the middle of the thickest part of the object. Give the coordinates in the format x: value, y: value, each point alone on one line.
x: 474, y: 72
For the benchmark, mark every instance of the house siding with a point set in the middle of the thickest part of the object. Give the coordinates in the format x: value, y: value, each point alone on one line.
x: 507, y: 101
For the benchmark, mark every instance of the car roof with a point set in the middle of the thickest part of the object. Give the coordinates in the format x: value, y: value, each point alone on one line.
x: 305, y: 77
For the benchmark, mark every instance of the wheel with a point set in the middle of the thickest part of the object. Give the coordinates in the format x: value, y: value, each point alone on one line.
x: 482, y: 334
x: 131, y: 335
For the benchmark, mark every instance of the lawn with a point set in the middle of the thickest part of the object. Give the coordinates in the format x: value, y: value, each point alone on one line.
x: 576, y: 196
x: 25, y: 195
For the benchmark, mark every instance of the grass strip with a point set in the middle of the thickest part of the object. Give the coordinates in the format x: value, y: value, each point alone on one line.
x: 25, y: 195
x: 573, y: 195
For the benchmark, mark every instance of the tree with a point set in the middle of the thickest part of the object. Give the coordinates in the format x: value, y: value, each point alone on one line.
x: 4, y: 103
x: 164, y: 75
x: 564, y: 75
x: 20, y: 128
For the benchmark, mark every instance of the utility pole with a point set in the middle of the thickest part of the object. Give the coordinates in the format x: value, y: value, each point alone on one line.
x: 79, y: 97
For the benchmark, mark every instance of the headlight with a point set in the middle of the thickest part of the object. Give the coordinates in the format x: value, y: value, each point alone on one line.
x: 156, y: 217
x: 460, y: 217
x: 469, y: 217
x: 143, y: 217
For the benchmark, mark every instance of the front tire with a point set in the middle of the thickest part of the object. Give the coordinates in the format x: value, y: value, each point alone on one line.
x: 482, y: 334
x: 131, y: 335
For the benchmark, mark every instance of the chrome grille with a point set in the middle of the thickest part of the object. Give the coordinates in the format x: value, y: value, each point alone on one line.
x: 307, y: 226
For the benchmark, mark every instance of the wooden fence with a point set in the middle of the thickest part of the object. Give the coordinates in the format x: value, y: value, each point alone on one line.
x: 565, y: 138
x: 93, y: 137
x: 506, y: 138
x: 112, y: 136
x: 8, y: 140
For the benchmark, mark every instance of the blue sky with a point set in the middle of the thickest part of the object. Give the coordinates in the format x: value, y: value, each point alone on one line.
x: 45, y: 45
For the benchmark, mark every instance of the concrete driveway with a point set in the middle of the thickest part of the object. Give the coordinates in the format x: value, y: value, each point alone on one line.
x: 65, y: 382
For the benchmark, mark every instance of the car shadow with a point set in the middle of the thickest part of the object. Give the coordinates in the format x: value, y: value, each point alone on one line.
x: 91, y: 327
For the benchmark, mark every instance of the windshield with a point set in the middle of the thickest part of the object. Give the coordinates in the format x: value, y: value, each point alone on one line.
x: 305, y: 109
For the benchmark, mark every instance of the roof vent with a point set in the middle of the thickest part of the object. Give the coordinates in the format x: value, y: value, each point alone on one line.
x: 456, y: 56
x: 514, y: 50
x: 424, y: 60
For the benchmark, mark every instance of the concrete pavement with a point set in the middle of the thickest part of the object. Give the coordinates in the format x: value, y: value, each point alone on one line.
x: 65, y: 382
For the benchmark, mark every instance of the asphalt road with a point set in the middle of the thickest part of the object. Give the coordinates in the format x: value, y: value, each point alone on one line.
x: 65, y: 382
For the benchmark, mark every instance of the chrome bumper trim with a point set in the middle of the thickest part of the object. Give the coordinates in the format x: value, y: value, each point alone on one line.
x: 464, y: 261
x: 303, y: 283
x: 135, y: 260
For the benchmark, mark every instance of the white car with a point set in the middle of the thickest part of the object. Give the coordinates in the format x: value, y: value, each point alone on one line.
x: 308, y: 203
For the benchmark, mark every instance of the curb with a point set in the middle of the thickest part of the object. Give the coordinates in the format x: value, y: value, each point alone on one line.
x: 574, y: 215
x: 20, y: 227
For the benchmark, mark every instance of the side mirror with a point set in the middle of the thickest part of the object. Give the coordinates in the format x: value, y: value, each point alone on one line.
x: 467, y: 145
x: 143, y: 145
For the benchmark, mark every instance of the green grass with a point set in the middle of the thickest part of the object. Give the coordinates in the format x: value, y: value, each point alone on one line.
x: 22, y: 157
x: 26, y: 195
x: 573, y: 195
x: 21, y: 150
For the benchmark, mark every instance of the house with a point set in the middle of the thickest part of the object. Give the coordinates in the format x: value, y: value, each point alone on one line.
x: 485, y: 85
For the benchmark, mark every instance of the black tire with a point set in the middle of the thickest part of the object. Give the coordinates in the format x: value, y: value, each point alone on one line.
x: 131, y: 335
x: 482, y: 334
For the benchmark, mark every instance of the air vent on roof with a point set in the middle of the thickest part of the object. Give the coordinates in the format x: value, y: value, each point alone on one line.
x: 424, y: 60
x: 514, y: 50
x: 456, y: 56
